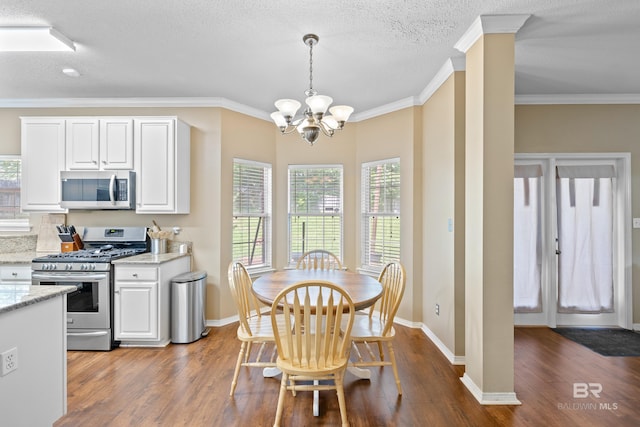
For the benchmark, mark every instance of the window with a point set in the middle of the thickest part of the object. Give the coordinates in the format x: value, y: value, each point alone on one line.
x: 252, y: 213
x: 380, y: 213
x: 315, y: 210
x: 11, y: 219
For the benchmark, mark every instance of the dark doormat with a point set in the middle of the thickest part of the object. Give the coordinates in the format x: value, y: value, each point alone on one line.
x: 606, y: 341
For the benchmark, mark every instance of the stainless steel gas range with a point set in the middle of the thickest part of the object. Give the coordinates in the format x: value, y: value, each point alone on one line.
x: 90, y: 306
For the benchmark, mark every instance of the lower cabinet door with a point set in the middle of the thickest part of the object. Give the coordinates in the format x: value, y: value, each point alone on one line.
x: 136, y: 311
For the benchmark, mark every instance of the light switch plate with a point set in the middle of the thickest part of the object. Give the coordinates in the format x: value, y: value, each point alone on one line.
x: 636, y: 222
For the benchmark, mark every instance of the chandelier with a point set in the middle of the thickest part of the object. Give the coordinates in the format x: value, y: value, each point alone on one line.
x: 314, y: 119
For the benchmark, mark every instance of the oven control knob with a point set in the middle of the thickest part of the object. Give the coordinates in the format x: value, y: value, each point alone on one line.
x: 93, y: 266
x: 83, y: 267
x: 68, y: 267
x: 53, y: 266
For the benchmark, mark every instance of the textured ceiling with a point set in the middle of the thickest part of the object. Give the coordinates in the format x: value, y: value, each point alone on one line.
x: 371, y: 52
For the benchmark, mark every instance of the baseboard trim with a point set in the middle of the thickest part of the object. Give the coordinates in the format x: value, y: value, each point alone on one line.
x: 489, y: 398
x: 452, y: 358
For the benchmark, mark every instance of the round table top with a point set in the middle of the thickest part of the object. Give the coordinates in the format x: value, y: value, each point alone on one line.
x: 364, y: 290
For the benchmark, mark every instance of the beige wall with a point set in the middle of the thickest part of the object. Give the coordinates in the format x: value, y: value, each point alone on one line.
x: 587, y: 129
x: 398, y: 134
x: 249, y: 139
x: 443, y: 181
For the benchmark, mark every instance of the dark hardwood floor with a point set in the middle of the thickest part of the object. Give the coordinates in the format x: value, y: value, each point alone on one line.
x: 188, y: 385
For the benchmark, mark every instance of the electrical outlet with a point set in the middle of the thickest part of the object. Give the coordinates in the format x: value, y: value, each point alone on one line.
x: 437, y: 309
x: 9, y: 361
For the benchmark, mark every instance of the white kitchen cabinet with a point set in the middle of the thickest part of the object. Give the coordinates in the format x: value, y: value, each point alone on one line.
x: 162, y: 150
x: 157, y: 148
x: 43, y: 157
x: 142, y: 294
x: 136, y: 310
x: 82, y: 143
x: 15, y: 274
x: 99, y: 143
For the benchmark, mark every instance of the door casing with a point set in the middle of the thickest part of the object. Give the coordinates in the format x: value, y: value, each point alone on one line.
x: 622, y: 243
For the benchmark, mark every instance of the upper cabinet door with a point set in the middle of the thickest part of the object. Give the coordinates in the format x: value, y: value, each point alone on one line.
x: 43, y: 143
x: 99, y: 143
x: 162, y: 165
x: 83, y: 144
x: 116, y: 143
x: 155, y: 165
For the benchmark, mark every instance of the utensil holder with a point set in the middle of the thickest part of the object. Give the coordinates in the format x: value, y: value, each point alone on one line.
x: 158, y: 246
x: 78, y: 241
x: 68, y: 247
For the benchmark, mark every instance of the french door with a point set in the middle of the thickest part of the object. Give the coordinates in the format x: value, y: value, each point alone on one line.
x: 572, y: 246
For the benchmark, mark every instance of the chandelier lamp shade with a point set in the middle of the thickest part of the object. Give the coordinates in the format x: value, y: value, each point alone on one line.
x: 315, y: 119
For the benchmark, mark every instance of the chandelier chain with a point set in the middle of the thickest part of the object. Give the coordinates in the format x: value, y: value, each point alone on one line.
x: 310, y: 67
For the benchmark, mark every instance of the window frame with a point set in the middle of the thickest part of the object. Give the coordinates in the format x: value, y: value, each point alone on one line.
x: 22, y: 222
x: 291, y: 260
x: 366, y: 213
x: 267, y: 215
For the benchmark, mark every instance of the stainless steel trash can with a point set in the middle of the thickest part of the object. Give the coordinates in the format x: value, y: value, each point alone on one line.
x: 187, y: 307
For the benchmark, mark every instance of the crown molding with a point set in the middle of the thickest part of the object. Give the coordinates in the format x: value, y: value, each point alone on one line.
x: 585, y: 98
x: 410, y: 101
x: 133, y: 102
x: 450, y: 66
x: 490, y: 24
x: 457, y: 63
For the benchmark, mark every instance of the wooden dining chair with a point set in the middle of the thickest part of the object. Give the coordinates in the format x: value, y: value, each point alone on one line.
x: 254, y: 327
x: 319, y: 353
x: 318, y: 259
x: 377, y: 326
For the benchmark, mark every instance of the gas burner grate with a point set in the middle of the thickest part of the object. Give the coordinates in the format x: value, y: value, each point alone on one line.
x: 89, y: 255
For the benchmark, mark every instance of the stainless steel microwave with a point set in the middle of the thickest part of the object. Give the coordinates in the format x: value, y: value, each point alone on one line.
x: 98, y: 189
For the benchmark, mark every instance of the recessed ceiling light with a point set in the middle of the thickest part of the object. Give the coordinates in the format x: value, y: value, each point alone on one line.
x: 71, y: 72
x: 33, y: 39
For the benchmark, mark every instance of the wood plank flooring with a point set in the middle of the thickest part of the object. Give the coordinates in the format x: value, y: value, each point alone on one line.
x: 188, y: 385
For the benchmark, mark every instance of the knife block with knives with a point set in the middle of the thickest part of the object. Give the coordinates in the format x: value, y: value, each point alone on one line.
x: 70, y: 239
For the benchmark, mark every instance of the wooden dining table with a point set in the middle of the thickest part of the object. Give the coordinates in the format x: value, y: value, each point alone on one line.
x: 364, y: 291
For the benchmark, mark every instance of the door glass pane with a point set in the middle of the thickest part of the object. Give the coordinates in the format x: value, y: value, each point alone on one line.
x: 527, y: 293
x: 585, y: 231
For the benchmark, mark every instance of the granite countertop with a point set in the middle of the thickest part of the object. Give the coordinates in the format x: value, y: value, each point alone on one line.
x: 149, y: 258
x: 15, y: 296
x: 18, y: 257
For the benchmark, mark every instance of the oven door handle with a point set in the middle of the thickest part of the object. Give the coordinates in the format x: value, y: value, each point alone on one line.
x: 87, y: 334
x: 57, y: 277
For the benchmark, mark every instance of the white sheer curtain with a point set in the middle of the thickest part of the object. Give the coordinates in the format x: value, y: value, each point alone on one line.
x: 527, y: 257
x: 585, y: 230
